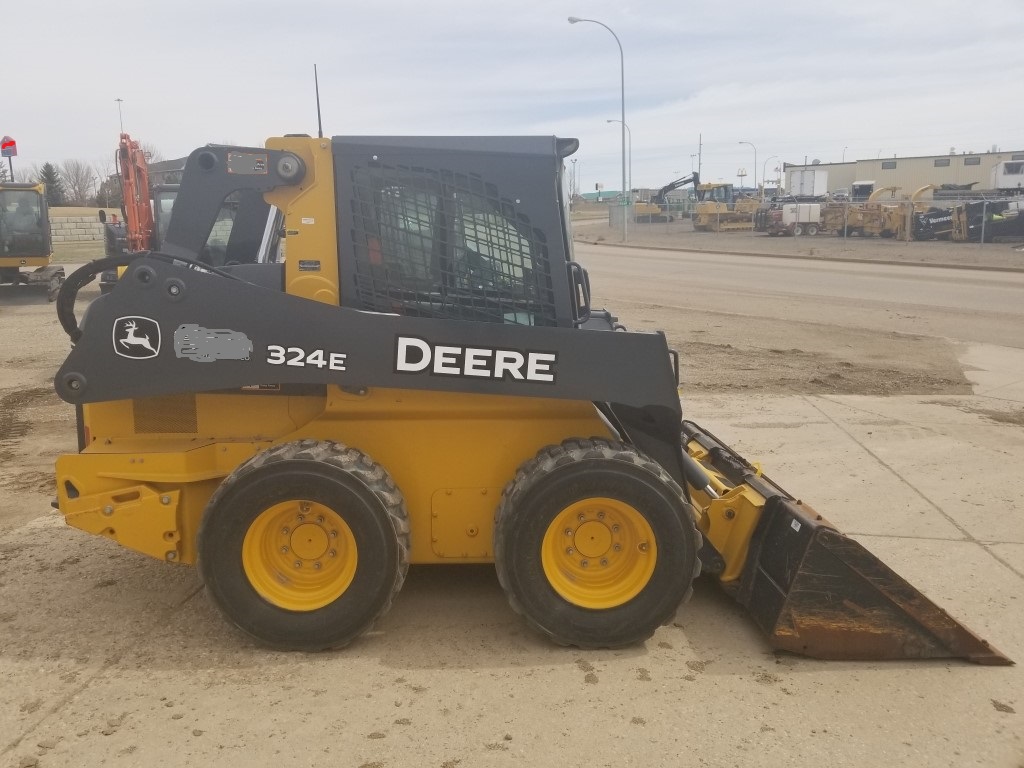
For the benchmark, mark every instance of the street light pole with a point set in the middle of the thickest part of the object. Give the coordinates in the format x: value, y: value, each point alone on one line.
x: 844, y: 153
x: 119, y: 116
x: 764, y: 174
x: 755, y: 162
x: 630, y: 157
x: 622, y: 70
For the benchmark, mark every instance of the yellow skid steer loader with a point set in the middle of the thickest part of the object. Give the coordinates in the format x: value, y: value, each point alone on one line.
x: 401, y: 365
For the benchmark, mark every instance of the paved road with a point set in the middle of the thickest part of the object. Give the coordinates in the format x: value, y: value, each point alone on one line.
x: 961, y: 304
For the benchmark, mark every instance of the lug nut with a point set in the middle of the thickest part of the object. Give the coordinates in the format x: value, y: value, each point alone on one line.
x: 298, y: 563
x: 581, y: 517
x: 617, y: 547
x: 569, y: 551
x: 584, y: 563
x: 604, y: 562
x: 334, y: 534
x: 285, y: 531
x: 568, y: 531
x: 615, y: 528
x: 320, y: 519
x: 600, y: 515
x: 316, y: 566
x: 284, y: 550
x: 642, y: 546
x: 332, y: 553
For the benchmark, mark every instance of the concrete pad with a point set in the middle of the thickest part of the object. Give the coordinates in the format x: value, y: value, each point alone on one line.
x: 1010, y: 554
x: 965, y: 478
x: 811, y: 455
x: 995, y: 371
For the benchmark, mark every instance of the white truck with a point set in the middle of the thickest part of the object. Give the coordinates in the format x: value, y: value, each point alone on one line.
x: 807, y: 182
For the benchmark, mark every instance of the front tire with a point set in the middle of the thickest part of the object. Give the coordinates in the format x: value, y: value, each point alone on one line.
x: 594, y: 544
x: 305, y: 545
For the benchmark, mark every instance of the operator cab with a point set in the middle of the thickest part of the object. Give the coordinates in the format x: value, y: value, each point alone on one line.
x: 24, y: 224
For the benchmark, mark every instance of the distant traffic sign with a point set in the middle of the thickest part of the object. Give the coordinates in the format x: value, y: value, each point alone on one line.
x: 8, y: 147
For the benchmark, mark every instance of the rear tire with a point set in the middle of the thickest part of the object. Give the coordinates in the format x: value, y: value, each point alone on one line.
x: 305, y: 545
x: 594, y: 544
x: 798, y: 230
x: 812, y: 229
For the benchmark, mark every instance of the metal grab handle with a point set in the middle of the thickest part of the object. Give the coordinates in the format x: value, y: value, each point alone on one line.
x: 580, y: 282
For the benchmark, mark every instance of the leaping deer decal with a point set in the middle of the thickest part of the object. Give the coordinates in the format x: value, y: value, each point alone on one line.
x: 131, y: 340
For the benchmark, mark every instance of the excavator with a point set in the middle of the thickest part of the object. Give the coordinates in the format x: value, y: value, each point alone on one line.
x: 656, y: 211
x: 147, y: 213
x: 25, y: 239
x: 423, y: 380
x: 146, y: 208
x: 136, y: 232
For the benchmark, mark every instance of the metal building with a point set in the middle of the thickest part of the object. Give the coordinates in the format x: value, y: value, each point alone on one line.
x: 981, y: 170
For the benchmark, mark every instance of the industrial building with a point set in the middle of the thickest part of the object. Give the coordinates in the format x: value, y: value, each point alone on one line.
x: 973, y: 171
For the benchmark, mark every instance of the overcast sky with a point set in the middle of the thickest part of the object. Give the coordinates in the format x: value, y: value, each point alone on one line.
x: 797, y: 79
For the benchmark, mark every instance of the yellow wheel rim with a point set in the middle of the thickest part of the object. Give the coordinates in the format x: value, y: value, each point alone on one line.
x: 299, y: 555
x: 599, y: 553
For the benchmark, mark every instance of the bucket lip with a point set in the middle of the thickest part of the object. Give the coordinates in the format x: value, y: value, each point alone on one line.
x: 840, y: 601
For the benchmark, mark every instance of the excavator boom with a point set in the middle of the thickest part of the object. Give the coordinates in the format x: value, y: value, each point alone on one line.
x: 133, y: 172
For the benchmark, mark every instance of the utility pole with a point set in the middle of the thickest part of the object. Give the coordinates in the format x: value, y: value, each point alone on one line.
x: 700, y: 149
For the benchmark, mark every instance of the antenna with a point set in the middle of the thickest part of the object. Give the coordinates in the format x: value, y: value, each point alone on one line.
x: 319, y: 120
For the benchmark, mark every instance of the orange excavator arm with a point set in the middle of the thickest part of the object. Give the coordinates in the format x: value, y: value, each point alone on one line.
x: 134, y: 175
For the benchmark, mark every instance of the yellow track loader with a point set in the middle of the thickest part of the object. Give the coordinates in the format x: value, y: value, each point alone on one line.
x: 423, y: 380
x: 719, y: 210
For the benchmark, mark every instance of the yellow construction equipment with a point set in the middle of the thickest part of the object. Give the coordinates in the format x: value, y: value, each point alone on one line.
x: 718, y: 209
x: 872, y: 217
x: 657, y: 210
x: 423, y: 380
x: 25, y: 247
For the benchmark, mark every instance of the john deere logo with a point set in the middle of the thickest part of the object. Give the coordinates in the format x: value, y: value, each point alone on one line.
x: 136, y: 337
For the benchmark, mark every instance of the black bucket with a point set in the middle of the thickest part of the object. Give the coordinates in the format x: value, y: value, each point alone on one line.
x: 816, y: 592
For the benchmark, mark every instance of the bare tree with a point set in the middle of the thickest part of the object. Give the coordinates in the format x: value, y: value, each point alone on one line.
x: 108, y: 190
x: 29, y: 175
x: 153, y: 155
x: 79, y: 181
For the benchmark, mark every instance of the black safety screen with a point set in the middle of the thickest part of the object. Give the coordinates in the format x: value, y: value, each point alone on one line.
x: 437, y: 242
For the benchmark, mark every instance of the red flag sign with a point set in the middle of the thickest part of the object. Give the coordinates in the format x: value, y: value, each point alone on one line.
x: 8, y: 147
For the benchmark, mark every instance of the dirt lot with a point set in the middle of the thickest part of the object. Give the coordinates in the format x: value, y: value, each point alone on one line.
x: 109, y: 658
x: 726, y: 349
x: 680, y: 235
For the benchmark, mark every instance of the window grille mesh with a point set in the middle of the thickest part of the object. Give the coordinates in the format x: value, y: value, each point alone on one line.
x: 435, y: 243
